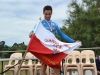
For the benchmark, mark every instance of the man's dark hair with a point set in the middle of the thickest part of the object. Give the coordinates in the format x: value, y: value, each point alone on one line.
x: 47, y: 7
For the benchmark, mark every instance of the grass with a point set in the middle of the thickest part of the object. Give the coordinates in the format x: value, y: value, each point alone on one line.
x: 8, y: 72
x: 4, y: 63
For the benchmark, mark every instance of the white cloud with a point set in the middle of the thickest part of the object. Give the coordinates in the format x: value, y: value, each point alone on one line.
x: 23, y: 0
x: 17, y: 17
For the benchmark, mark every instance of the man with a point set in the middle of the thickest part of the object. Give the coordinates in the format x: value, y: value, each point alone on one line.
x: 98, y: 65
x: 53, y: 28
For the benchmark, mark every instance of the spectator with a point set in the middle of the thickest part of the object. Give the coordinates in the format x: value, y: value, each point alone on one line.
x: 98, y: 65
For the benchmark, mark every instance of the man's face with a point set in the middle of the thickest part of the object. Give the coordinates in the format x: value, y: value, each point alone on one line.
x: 47, y: 14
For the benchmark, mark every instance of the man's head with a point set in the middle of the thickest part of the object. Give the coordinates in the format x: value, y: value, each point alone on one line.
x: 47, y: 11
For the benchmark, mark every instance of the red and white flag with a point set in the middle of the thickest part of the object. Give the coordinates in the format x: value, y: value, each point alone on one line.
x: 43, y: 43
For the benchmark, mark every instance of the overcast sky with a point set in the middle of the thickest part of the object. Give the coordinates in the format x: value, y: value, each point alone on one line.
x: 17, y: 17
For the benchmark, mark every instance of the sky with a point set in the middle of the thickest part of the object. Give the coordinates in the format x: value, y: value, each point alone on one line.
x: 17, y: 17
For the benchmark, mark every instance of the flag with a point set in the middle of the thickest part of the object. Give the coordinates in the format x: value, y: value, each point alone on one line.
x: 43, y: 43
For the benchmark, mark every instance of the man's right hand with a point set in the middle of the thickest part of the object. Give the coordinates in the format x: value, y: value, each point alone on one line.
x: 31, y: 34
x: 56, y: 51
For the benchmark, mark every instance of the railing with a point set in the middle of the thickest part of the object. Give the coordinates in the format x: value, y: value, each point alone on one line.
x: 12, y: 51
x: 92, y: 48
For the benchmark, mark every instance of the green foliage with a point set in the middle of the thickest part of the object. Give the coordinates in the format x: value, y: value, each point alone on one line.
x: 84, y: 23
x: 15, y: 47
x: 20, y: 46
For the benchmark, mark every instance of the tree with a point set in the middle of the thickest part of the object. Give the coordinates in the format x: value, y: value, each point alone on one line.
x: 15, y: 47
x: 2, y: 44
x: 84, y: 22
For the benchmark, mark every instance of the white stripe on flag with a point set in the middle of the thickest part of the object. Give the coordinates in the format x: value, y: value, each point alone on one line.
x: 50, y: 41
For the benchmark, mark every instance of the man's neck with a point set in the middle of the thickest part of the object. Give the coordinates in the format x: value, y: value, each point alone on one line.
x: 47, y: 20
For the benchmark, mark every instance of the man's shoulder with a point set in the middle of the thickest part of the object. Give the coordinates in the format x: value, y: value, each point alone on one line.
x: 54, y: 24
x: 42, y: 20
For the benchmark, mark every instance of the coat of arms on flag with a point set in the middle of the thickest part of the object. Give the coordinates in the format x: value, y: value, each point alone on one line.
x: 43, y: 44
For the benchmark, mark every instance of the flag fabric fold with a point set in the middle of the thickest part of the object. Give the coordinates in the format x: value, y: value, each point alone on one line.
x: 43, y: 43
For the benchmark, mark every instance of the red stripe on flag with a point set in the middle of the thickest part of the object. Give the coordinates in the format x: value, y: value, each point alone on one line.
x: 44, y: 54
x: 52, y: 60
x: 36, y: 46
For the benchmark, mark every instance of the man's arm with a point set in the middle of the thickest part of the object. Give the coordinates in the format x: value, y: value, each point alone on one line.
x: 64, y: 36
